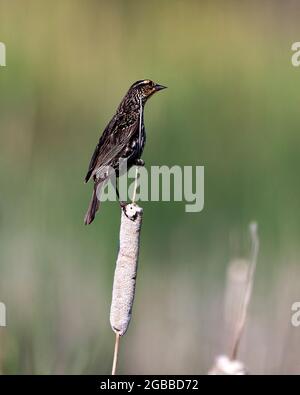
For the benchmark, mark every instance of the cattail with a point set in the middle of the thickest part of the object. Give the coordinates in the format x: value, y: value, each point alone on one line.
x: 239, y: 290
x: 240, y: 325
x: 236, y: 283
x: 125, y: 273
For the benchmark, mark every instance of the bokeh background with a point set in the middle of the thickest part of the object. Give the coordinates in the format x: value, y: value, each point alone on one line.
x: 232, y: 106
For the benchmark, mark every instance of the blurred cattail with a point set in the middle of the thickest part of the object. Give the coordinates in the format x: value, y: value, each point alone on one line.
x: 240, y: 278
x: 125, y: 273
x: 236, y: 282
x: 240, y: 325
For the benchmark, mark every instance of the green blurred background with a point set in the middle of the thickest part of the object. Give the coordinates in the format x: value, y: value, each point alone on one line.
x: 232, y: 106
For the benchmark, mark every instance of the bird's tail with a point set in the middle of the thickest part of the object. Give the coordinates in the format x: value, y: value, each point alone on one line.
x: 94, y: 205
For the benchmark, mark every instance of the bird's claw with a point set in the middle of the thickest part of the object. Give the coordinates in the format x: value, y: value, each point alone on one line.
x: 123, y: 207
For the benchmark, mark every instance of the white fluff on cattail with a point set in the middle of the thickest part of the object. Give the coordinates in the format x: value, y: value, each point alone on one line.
x: 126, y: 269
x: 224, y: 366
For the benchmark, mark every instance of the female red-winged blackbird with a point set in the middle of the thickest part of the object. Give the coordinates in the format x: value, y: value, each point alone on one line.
x: 123, y: 138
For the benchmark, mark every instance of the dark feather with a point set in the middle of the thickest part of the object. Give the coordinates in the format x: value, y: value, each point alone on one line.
x: 115, y: 143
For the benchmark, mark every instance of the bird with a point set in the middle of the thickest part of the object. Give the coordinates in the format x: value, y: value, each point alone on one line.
x: 122, y: 139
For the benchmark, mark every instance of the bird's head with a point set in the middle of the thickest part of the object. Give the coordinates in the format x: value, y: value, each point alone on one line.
x: 144, y: 89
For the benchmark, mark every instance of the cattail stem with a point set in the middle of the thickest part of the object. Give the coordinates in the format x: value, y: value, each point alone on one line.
x: 248, y: 291
x: 135, y: 184
x: 116, y: 353
x: 140, y: 138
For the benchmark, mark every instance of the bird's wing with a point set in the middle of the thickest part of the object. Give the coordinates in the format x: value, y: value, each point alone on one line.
x: 94, y: 157
x: 114, y: 139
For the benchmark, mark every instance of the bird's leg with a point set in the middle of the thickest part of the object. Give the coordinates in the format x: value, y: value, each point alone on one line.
x: 122, y: 204
x: 139, y: 162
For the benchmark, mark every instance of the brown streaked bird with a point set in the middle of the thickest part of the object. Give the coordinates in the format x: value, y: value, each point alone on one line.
x: 123, y: 138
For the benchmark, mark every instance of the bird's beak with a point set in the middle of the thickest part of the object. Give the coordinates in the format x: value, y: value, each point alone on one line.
x: 158, y: 87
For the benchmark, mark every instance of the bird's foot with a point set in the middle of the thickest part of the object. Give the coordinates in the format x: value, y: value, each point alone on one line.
x: 123, y: 207
x: 123, y: 204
